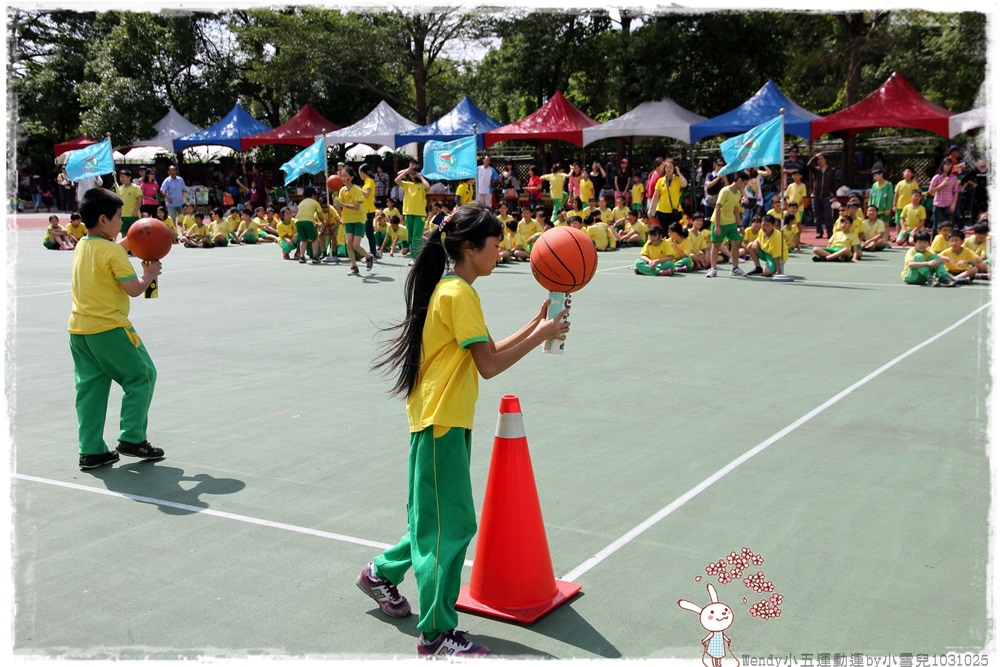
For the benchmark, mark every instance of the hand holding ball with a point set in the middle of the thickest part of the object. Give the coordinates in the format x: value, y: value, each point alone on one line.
x: 334, y: 183
x: 563, y: 259
x: 150, y: 240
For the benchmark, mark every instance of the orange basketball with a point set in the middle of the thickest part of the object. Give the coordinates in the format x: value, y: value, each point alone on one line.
x: 149, y: 239
x: 334, y: 183
x: 563, y: 259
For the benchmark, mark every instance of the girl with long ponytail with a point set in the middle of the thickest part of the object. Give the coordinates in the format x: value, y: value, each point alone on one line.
x: 439, y: 351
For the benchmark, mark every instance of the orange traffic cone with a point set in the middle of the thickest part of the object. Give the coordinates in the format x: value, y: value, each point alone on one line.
x: 512, y: 572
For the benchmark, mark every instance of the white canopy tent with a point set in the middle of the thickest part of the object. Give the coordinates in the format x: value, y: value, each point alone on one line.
x: 170, y: 127
x: 148, y: 154
x: 663, y: 118
x: 378, y: 128
x: 359, y: 152
x: 964, y: 122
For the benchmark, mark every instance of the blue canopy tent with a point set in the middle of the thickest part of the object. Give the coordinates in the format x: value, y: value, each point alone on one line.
x: 765, y: 104
x: 455, y: 124
x: 229, y: 132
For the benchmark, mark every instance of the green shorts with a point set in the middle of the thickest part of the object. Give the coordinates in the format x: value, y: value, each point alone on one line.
x: 354, y: 229
x: 221, y: 243
x: 306, y: 230
x: 729, y: 233
x: 50, y: 244
x: 768, y: 261
x: 126, y: 223
x: 250, y: 238
x: 403, y: 244
x: 834, y: 248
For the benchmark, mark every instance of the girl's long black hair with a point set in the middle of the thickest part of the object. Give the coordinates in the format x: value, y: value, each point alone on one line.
x: 470, y: 225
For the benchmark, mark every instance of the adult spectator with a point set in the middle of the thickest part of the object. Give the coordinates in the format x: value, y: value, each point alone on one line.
x: 824, y: 186
x: 149, y: 188
x: 257, y: 183
x: 599, y: 177
x: 173, y: 189
x: 35, y: 188
x: 236, y: 185
x: 793, y: 163
x: 64, y: 190
x: 534, y: 187
x: 623, y: 180
x: 944, y: 186
x: 611, y: 170
x: 714, y: 182
x: 85, y: 184
x: 879, y: 163
x: 974, y: 184
x: 574, y: 180
x: 486, y: 178
x: 382, y: 185
x: 666, y: 201
x: 654, y: 176
x: 510, y: 186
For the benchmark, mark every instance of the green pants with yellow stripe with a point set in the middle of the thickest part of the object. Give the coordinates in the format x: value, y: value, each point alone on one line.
x: 98, y: 359
x: 440, y: 521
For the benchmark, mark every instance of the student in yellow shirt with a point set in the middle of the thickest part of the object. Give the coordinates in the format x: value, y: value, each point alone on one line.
x: 912, y: 218
x: 391, y: 210
x: 76, y: 227
x: 680, y: 240
x: 161, y: 215
x: 528, y: 228
x: 247, y: 231
x: 198, y: 235
x: 219, y: 230
x: 619, y: 213
x: 698, y: 242
x: 131, y: 195
x: 941, y: 242
x: 873, y: 231
x: 515, y: 243
x: 504, y: 216
x: 381, y: 224
x: 841, y: 248
x: 903, y: 192
x: 603, y: 238
x: 104, y: 344
x: 656, y: 257
x: 922, y: 267
x: 638, y: 192
x: 768, y: 247
x: 350, y: 204
x: 725, y: 235
x: 415, y: 188
x: 465, y: 191
x: 979, y: 242
x: 796, y: 190
x: 607, y: 216
x: 264, y: 223
x: 329, y: 228
x: 396, y: 237
x: 557, y: 189
x: 750, y: 235
x: 960, y: 262
x: 635, y: 230
x: 186, y: 221
x: 442, y: 348
x: 57, y: 238
x: 286, y: 233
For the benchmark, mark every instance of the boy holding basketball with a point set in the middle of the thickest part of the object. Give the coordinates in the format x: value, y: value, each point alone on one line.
x: 103, y: 343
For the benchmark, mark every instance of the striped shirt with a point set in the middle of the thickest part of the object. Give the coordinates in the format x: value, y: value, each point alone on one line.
x: 946, y: 195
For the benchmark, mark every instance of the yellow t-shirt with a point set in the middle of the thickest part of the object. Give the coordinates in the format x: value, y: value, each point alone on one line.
x: 607, y: 216
x: 953, y: 258
x: 504, y: 219
x: 795, y: 192
x: 670, y: 195
x: 618, y: 215
x: 601, y: 236
x: 903, y: 192
x: 389, y: 212
x: 939, y: 244
x: 247, y: 227
x: 50, y: 229
x: 464, y: 193
x: 369, y: 205
x: 556, y: 184
x: 260, y: 222
x: 217, y: 227
x: 773, y: 244
x: 638, y: 192
x: 186, y: 222
x: 871, y: 230
x: 661, y: 250
x: 529, y: 228
x: 286, y: 230
x: 913, y: 216
x: 351, y: 194
x: 980, y: 249
x: 79, y: 230
x: 639, y: 227
x: 515, y: 241
x: 586, y: 189
x: 415, y: 199
x: 397, y: 234
x: 99, y: 302
x: 857, y: 226
x: 841, y: 240
x: 448, y: 385
x: 750, y: 234
x: 309, y: 209
x: 696, y: 241
x: 198, y: 229
x: 131, y: 195
x: 725, y: 206
x: 233, y: 220
x: 909, y: 258
x: 682, y: 248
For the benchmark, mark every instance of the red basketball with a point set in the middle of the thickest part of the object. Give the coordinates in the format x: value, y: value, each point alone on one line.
x: 334, y: 183
x: 563, y: 259
x: 149, y: 239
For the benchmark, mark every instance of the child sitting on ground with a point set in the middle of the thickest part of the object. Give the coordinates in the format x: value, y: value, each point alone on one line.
x: 656, y: 258
x: 287, y: 239
x: 76, y: 227
x: 635, y: 230
x: 921, y: 267
x: 767, y: 248
x: 396, y: 237
x: 873, y: 231
x: 793, y: 226
x: 979, y: 242
x: 198, y: 235
x: 941, y: 240
x: 680, y: 243
x: 219, y: 229
x: 841, y: 247
x: 57, y: 238
x: 603, y: 238
x: 749, y: 236
x: 961, y: 263
x: 515, y: 244
x: 912, y: 218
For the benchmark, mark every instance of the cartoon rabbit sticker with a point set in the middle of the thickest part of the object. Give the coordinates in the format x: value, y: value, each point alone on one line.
x: 716, y: 618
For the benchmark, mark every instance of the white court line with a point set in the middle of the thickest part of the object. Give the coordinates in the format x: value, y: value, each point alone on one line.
x: 210, y: 512
x: 609, y: 550
x: 24, y: 296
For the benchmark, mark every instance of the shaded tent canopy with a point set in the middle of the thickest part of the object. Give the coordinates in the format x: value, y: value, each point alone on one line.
x: 893, y: 104
x: 378, y: 128
x: 763, y: 106
x: 556, y: 120
x: 171, y: 126
x: 300, y: 130
x: 455, y: 124
x: 358, y: 152
x: 149, y: 154
x: 229, y: 131
x: 961, y: 123
x: 72, y: 145
x: 663, y: 118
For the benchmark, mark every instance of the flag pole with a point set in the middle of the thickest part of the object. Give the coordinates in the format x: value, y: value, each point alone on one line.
x: 326, y: 173
x: 780, y: 276
x: 475, y: 143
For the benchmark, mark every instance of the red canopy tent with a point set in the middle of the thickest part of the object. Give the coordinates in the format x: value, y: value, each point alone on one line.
x: 72, y: 145
x: 557, y: 119
x: 300, y: 130
x: 894, y: 104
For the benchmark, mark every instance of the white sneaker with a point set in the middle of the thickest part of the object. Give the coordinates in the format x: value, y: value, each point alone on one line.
x: 411, y: 263
x: 711, y: 273
x: 737, y: 271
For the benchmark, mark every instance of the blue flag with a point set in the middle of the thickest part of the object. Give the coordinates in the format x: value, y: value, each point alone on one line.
x: 94, y: 160
x: 759, y: 146
x: 450, y: 160
x: 310, y: 161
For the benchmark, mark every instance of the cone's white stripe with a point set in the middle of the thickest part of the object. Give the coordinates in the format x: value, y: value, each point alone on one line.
x: 510, y: 425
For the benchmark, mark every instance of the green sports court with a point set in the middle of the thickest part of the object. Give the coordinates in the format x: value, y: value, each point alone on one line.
x: 836, y: 425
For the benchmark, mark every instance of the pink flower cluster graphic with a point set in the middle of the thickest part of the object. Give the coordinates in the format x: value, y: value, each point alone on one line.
x: 732, y: 568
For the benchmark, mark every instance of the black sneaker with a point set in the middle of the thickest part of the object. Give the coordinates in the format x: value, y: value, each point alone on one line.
x: 755, y: 271
x: 451, y: 643
x: 369, y: 262
x: 140, y: 450
x: 88, y: 461
x: 302, y: 259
